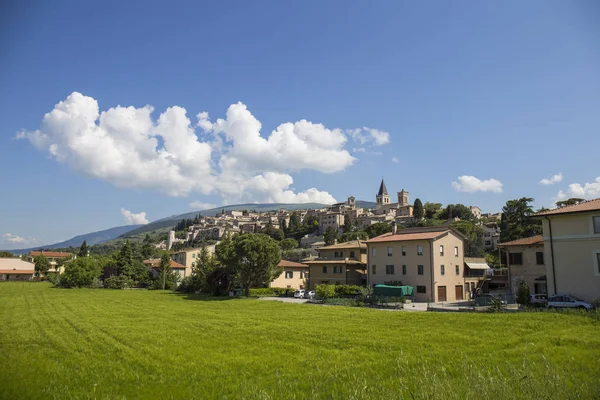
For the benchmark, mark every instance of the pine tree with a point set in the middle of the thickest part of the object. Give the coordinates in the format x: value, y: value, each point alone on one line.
x: 165, y: 271
x: 125, y: 260
x: 418, y: 211
x: 83, y: 250
x: 347, y: 224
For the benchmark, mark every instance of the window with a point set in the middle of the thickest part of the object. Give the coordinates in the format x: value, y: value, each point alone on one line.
x: 373, y: 251
x: 455, y: 251
x: 325, y: 269
x: 539, y: 258
x: 597, y: 269
x: 596, y: 221
x: 193, y: 256
x: 335, y: 270
x: 421, y: 289
x: 443, y: 269
x: 403, y: 250
x: 515, y: 258
x: 351, y: 254
x: 389, y: 249
x: 457, y: 269
x: 441, y: 250
x: 419, y: 250
x: 374, y: 269
x: 488, y: 243
x: 389, y: 270
x: 419, y: 270
x: 404, y: 270
x: 289, y: 274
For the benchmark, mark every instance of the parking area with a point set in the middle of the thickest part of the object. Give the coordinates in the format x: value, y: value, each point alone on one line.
x: 285, y: 299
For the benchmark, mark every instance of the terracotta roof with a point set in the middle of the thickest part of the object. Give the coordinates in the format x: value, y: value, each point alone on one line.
x: 287, y: 263
x: 524, y: 241
x: 421, y: 233
x: 352, y: 244
x: 590, y: 205
x: 17, y: 271
x: 155, y: 263
x: 55, y: 254
x: 325, y: 261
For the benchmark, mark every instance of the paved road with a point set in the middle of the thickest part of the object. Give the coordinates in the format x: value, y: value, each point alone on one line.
x: 284, y: 299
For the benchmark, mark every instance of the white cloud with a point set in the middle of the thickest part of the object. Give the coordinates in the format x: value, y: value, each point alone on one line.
x: 10, y: 238
x: 553, y: 179
x: 395, y: 159
x: 134, y: 219
x: 586, y: 191
x: 198, y: 205
x: 126, y: 147
x: 366, y: 135
x: 359, y: 150
x: 471, y: 184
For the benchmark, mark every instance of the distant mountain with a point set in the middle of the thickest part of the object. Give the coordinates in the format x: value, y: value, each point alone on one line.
x: 171, y: 221
x: 90, y: 238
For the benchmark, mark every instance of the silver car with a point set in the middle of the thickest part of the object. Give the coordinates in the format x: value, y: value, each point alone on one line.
x: 567, y: 301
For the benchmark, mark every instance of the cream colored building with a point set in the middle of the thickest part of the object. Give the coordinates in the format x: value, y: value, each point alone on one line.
x: 339, y: 264
x: 294, y: 275
x: 430, y: 259
x: 188, y: 257
x: 526, y: 262
x: 572, y: 249
x: 178, y: 269
x: 53, y: 258
x: 15, y: 269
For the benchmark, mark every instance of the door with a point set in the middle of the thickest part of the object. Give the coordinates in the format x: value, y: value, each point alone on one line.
x: 441, y: 293
x: 459, y: 292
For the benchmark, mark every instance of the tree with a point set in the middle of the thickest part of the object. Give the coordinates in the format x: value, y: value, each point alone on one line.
x: 81, y: 272
x: 283, y: 226
x: 286, y: 245
x: 42, y: 265
x: 147, y: 251
x: 432, y: 210
x: 516, y: 221
x: 124, y: 260
x: 474, y: 246
x: 347, y: 224
x: 377, y: 229
x: 569, y: 202
x: 273, y: 232
x: 6, y: 254
x: 348, y: 236
x: 294, y: 223
x: 418, y: 210
x: 523, y: 297
x: 83, y: 250
x: 165, y: 272
x: 329, y: 236
x: 201, y: 270
x: 457, y: 211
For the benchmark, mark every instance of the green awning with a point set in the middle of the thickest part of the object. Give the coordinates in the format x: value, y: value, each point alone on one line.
x: 393, y: 291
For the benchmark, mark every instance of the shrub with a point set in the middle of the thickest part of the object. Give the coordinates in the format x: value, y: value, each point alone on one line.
x: 496, y: 305
x: 258, y: 292
x: 81, y: 272
x: 325, y: 291
x: 347, y: 290
x: 53, y: 278
x: 523, y: 297
x: 118, y: 282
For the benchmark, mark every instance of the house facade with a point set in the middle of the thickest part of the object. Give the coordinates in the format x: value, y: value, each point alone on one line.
x: 187, y: 257
x: 572, y: 249
x: 431, y: 259
x: 15, y: 269
x: 53, y: 258
x: 339, y: 264
x: 294, y: 275
x: 526, y: 262
x: 154, y: 265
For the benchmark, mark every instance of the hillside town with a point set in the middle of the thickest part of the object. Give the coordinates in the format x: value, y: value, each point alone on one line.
x: 447, y: 255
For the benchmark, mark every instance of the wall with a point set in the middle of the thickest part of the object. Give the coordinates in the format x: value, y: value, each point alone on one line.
x: 529, y: 270
x: 317, y: 277
x: 300, y: 276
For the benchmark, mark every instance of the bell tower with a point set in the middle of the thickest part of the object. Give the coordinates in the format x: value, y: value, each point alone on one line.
x: 382, y: 197
x: 403, y: 198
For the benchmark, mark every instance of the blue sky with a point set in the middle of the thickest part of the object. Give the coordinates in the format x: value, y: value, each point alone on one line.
x: 505, y: 92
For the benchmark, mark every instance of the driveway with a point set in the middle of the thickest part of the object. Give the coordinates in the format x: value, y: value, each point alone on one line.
x: 284, y: 299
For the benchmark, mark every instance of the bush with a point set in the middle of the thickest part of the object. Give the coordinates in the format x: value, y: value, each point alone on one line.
x: 258, y: 292
x: 118, y: 282
x: 523, y: 297
x: 496, y: 305
x: 81, y: 272
x: 347, y: 290
x: 53, y: 278
x: 325, y: 291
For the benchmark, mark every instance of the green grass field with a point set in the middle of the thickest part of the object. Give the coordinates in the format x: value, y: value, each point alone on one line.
x: 60, y: 343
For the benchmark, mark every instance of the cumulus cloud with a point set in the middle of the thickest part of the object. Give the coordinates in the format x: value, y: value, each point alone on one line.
x: 128, y: 148
x: 586, y: 191
x: 134, y: 219
x: 365, y: 135
x: 553, y: 179
x: 198, y: 205
x: 395, y: 159
x: 10, y: 238
x: 471, y: 184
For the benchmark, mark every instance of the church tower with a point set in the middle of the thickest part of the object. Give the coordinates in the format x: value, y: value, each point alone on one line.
x: 382, y: 198
x: 403, y: 198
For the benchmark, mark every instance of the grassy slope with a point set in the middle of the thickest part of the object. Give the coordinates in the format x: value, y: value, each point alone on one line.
x: 57, y: 343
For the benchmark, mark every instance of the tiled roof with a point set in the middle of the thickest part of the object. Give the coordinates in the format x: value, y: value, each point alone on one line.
x: 55, y: 254
x: 425, y: 233
x: 524, y: 241
x: 155, y: 263
x: 287, y: 263
x: 590, y: 205
x: 326, y: 261
x: 352, y: 244
x: 17, y: 271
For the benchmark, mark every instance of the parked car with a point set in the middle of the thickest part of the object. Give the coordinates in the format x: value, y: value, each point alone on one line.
x: 309, y: 294
x: 485, y: 299
x: 538, y: 299
x: 567, y: 301
x: 299, y: 294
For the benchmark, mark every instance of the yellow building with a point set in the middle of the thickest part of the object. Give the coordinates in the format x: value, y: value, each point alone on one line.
x: 339, y: 264
x: 526, y: 262
x: 572, y: 249
x: 53, y: 258
x: 187, y: 257
x: 294, y: 275
x: 431, y: 259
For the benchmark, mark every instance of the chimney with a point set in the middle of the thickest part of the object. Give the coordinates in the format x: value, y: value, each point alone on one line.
x: 394, y: 229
